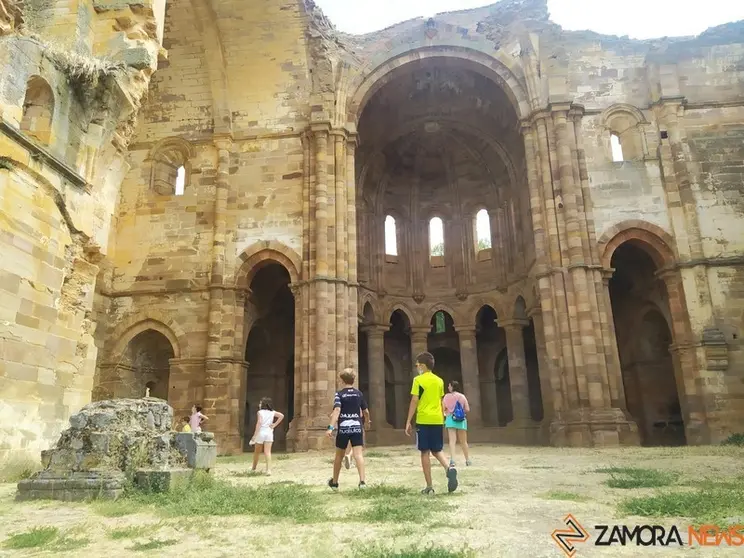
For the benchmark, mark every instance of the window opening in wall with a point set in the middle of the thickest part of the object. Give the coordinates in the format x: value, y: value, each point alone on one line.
x: 38, y: 110
x: 617, y: 148
x: 439, y: 325
x: 436, y: 237
x: 482, y: 231
x: 180, y: 180
x: 391, y: 238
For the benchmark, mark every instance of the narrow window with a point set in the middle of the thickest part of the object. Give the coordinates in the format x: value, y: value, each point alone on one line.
x: 180, y: 180
x: 439, y: 323
x: 617, y: 148
x: 436, y: 237
x: 391, y: 236
x: 482, y: 231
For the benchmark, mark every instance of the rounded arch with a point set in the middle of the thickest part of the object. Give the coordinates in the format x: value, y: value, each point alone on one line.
x: 621, y: 109
x: 365, y: 86
x: 654, y: 240
x: 478, y: 305
x: 440, y: 306
x: 399, y: 306
x: 259, y: 254
x: 124, y: 334
x: 173, y: 144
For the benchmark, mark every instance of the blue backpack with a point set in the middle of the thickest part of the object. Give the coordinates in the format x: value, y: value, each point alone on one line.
x: 458, y: 414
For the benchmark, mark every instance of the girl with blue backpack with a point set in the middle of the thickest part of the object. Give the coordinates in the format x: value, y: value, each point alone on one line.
x: 456, y: 408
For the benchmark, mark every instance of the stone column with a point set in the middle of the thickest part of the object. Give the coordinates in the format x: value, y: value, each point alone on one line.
x: 546, y: 382
x: 376, y: 366
x: 419, y: 342
x: 352, y: 357
x: 520, y: 395
x: 320, y: 382
x: 470, y: 376
x: 218, y: 369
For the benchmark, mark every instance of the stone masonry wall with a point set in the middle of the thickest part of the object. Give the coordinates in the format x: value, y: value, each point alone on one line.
x: 60, y: 170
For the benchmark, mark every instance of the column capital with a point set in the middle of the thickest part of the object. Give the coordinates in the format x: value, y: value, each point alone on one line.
x: 420, y: 330
x: 607, y: 274
x: 320, y: 128
x: 513, y: 323
x: 465, y: 329
x: 535, y: 312
x: 375, y: 328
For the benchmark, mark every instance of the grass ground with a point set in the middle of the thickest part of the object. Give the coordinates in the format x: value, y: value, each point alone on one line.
x: 508, y: 504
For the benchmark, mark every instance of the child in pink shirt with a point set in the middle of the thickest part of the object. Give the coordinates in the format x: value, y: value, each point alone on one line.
x: 457, y: 430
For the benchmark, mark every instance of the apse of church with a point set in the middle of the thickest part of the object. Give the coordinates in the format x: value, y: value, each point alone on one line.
x: 239, y: 213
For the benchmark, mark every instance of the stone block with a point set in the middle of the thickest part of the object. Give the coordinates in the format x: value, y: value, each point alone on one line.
x: 200, y: 450
x: 156, y: 480
x: 72, y: 487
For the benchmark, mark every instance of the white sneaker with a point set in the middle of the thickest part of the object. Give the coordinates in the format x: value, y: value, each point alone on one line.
x: 347, y: 461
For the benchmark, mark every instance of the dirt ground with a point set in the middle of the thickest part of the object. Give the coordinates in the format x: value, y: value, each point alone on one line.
x: 508, y: 504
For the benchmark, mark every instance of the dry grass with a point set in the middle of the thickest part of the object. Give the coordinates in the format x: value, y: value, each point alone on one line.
x: 508, y: 503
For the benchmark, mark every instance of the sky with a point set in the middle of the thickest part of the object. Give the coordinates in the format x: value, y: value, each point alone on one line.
x: 639, y: 19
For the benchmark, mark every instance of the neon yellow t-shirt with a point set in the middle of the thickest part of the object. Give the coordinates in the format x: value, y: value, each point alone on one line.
x: 430, y: 389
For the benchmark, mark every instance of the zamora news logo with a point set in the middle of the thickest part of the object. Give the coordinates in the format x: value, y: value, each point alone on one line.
x: 646, y: 535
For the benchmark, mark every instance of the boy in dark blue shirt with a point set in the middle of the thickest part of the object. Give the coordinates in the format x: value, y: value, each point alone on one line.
x: 349, y: 407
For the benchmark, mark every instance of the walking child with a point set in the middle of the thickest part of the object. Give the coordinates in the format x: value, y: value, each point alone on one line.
x: 267, y: 419
x: 456, y: 408
x: 427, y: 393
x: 348, y: 408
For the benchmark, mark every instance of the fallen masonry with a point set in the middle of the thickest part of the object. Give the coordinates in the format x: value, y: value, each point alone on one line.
x: 112, y: 442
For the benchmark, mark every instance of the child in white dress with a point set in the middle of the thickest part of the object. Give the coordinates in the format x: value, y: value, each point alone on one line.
x: 263, y: 436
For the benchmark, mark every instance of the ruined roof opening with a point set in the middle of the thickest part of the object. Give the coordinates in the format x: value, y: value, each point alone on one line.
x: 435, y: 123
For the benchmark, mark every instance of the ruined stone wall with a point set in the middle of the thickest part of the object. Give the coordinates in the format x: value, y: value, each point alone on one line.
x: 163, y: 242
x: 64, y: 122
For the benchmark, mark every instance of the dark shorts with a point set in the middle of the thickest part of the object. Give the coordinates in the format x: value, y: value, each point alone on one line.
x: 343, y: 440
x: 430, y: 437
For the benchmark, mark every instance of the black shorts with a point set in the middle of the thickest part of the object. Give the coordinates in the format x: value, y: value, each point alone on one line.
x: 430, y: 437
x: 343, y: 440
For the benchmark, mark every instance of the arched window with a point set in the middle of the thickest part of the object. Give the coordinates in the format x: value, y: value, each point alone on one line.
x: 626, y: 127
x: 617, y: 149
x: 436, y: 237
x: 171, y: 167
x: 482, y: 231
x: 180, y: 180
x: 391, y: 236
x: 38, y: 110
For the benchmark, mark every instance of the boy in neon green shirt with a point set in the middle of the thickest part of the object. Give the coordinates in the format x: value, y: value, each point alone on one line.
x: 427, y: 392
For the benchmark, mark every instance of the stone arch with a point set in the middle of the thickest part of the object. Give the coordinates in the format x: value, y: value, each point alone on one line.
x: 409, y: 314
x: 38, y: 109
x: 475, y: 308
x: 626, y: 122
x: 129, y: 328
x: 368, y: 313
x: 367, y: 84
x: 257, y: 255
x: 456, y: 318
x: 519, y: 310
x: 166, y: 158
x: 652, y: 238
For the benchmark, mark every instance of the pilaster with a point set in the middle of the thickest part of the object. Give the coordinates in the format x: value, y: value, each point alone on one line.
x: 470, y: 376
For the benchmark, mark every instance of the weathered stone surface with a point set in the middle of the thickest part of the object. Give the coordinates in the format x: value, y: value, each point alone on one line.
x: 200, y: 449
x: 147, y: 264
x: 106, y: 441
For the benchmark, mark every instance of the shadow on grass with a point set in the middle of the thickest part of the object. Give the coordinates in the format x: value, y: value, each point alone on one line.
x: 630, y: 477
x: 152, y: 544
x: 204, y: 495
